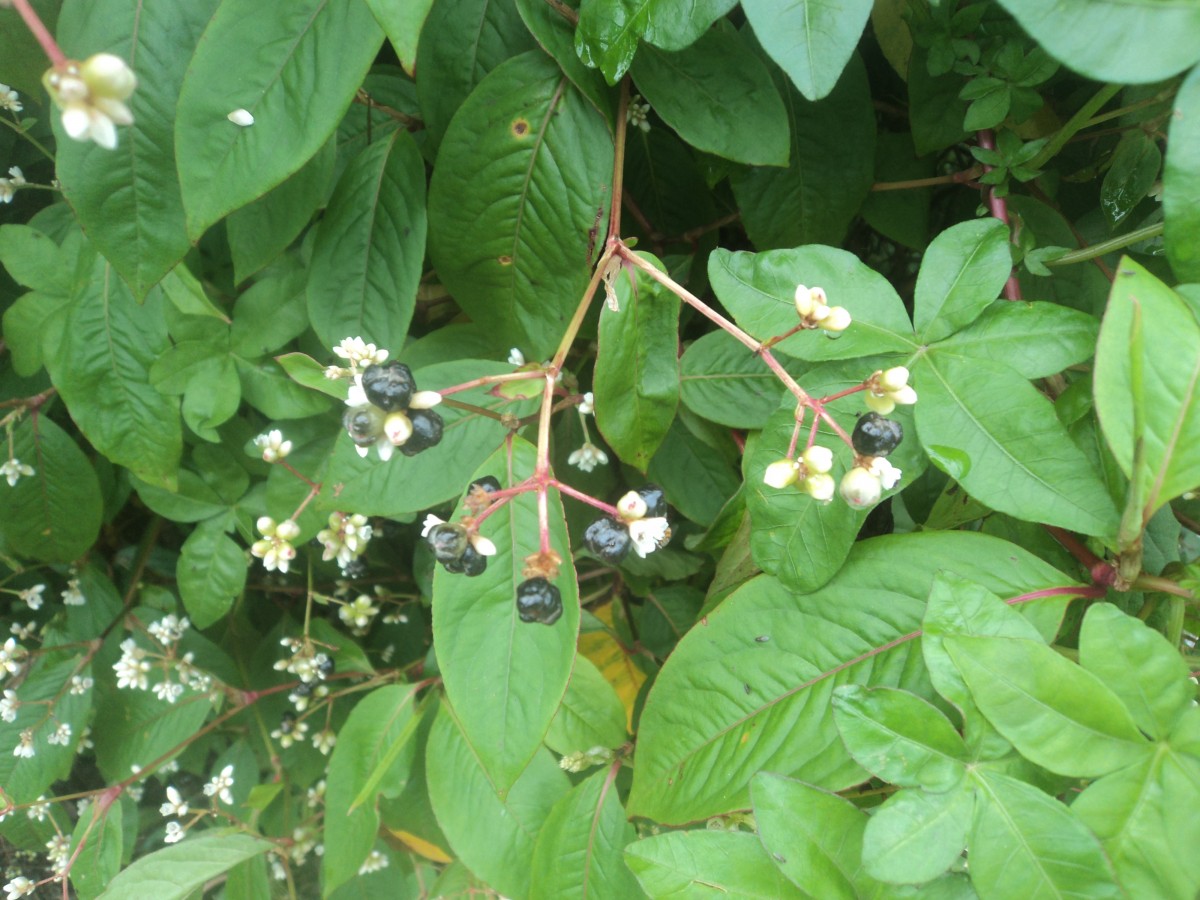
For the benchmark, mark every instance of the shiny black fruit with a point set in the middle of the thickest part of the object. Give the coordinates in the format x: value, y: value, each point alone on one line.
x: 538, y: 601
x: 389, y: 386
x: 656, y: 500
x: 876, y: 436
x: 427, y: 431
x: 449, y: 542
x: 608, y: 539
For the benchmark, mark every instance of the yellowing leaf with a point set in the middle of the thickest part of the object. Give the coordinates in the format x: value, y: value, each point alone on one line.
x: 617, y: 667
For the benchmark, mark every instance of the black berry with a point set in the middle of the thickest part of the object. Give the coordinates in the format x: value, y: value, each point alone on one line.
x: 364, y: 425
x: 427, y: 431
x: 303, y: 689
x: 608, y: 539
x: 876, y: 436
x: 473, y: 563
x: 487, y: 484
x: 326, y: 665
x: 389, y: 386
x: 538, y: 601
x: 287, y: 722
x: 449, y: 542
x: 656, y: 500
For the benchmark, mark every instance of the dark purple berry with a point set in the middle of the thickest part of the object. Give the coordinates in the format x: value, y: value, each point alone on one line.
x: 427, y: 431
x: 364, y: 425
x: 876, y: 436
x: 326, y: 665
x: 389, y: 386
x: 538, y: 601
x: 487, y: 484
x: 656, y: 500
x: 449, y: 542
x: 473, y: 562
x: 608, y: 539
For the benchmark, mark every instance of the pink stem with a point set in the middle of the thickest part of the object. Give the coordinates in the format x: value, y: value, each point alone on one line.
x: 999, y: 208
x: 585, y: 498
x: 492, y: 379
x: 39, y: 30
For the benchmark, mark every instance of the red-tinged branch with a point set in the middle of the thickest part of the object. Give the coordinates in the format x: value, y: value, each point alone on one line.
x: 524, y: 375
x: 43, y: 35
x: 584, y: 498
x: 999, y: 209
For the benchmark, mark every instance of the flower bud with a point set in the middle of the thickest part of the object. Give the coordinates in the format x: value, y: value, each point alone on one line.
x: 398, y: 428
x: 893, y: 379
x: 804, y: 301
x: 781, y: 473
x: 242, y: 117
x: 108, y: 76
x: 425, y: 400
x: 820, y: 486
x: 838, y: 319
x: 860, y: 488
x: 288, y: 530
x: 632, y: 506
x: 818, y: 460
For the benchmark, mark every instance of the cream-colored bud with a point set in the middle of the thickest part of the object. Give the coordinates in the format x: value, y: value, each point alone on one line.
x: 265, y: 525
x: 906, y: 396
x: 838, y: 319
x: 818, y: 460
x: 109, y: 76
x: 781, y: 473
x: 483, y: 546
x: 398, y: 428
x: 820, y: 486
x: 860, y: 488
x: 287, y: 530
x: 893, y: 379
x: 882, y: 405
x: 632, y: 506
x: 424, y: 400
x: 804, y: 301
x: 242, y: 117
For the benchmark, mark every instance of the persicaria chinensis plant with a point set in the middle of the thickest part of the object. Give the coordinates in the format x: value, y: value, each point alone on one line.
x: 594, y: 448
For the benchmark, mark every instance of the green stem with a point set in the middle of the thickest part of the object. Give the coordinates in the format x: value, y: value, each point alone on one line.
x: 25, y: 134
x: 1111, y: 245
x: 1080, y: 120
x: 1158, y: 584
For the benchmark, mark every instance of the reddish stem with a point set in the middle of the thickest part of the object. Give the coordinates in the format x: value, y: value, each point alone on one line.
x: 999, y: 208
x: 584, y: 498
x: 39, y: 30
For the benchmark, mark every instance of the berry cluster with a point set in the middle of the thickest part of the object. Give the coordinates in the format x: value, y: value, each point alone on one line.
x: 387, y: 412
x: 461, y: 550
x: 641, y: 525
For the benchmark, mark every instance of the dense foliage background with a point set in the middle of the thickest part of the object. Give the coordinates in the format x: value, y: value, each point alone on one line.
x: 232, y: 666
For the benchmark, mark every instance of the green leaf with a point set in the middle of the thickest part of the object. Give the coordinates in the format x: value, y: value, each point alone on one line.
x: 579, y: 848
x: 128, y: 200
x: 187, y: 295
x: 1055, y: 713
x: 193, y: 501
x: 102, y: 371
x: 493, y: 834
x: 759, y: 290
x: 211, y: 573
x: 1128, y: 41
x: 269, y: 390
x: 1079, y: 287
x: 263, y: 229
x: 724, y: 382
x: 935, y: 110
x: 989, y: 429
x: 1036, y: 339
x: 750, y: 691
x: 402, y: 23
x: 99, y: 858
x: 1147, y: 386
x: 900, y: 215
x: 964, y: 270
x: 687, y: 864
x: 1134, y: 169
x: 375, y: 724
x: 591, y: 713
x: 266, y: 59
x: 1024, y: 843
x: 1181, y: 182
x: 815, y: 837
x: 520, y: 177
x: 899, y: 738
x: 306, y: 371
x: 1137, y: 664
x: 718, y: 96
x: 175, y: 872
x: 916, y: 836
x: 271, y: 313
x: 506, y: 677
x: 637, y: 369
x: 556, y: 35
x: 697, y: 476
x: 54, y: 514
x: 608, y: 31
x: 829, y: 172
x: 811, y: 40
x: 369, y: 250
x: 140, y: 728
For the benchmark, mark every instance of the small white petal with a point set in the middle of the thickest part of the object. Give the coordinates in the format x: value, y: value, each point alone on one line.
x: 241, y: 117
x: 482, y: 545
x: 424, y: 400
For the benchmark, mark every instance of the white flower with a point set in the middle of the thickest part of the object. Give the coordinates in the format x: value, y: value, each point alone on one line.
x: 39, y: 809
x: 24, y: 748
x: 220, y: 785
x: 175, y: 833
x: 861, y: 488
x: 14, y: 468
x: 73, y: 596
x: 12, y: 657
x: 637, y: 113
x: 9, y: 706
x: 887, y: 388
x: 316, y: 794
x: 275, y: 548
x: 346, y: 537
x: 60, y: 735
x: 888, y: 475
x: 132, y: 668
x: 587, y: 406
x: 649, y: 535
x: 356, y: 394
x: 174, y: 805
x: 169, y: 629
x: 359, y: 353
x: 18, y: 887
x: 17, y: 176
x: 33, y: 596
x: 241, y: 117
x: 483, y: 546
x: 431, y: 521
x: 324, y: 741
x: 58, y: 851
x: 631, y: 506
x: 374, y: 862
x: 587, y: 457
x: 289, y: 732
x: 516, y: 357
x: 360, y: 612
x: 815, y: 312
x: 91, y: 96
x: 272, y: 445
x: 9, y: 99
x: 168, y: 690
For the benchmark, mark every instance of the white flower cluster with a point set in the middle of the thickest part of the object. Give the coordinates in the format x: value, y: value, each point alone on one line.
x: 58, y: 852
x: 375, y: 862
x: 219, y: 786
x: 345, y: 539
x: 585, y: 759
x: 73, y: 596
x: 648, y: 533
x: 358, y: 353
x: 272, y: 446
x: 9, y: 704
x: 9, y: 99
x: 888, y: 388
x: 638, y: 113
x: 13, y: 469
x: 815, y: 312
x: 810, y: 472
x: 136, y: 662
x: 12, y: 658
x: 169, y: 629
x: 92, y: 96
x: 359, y: 613
x: 275, y: 548
x: 305, y: 662
x: 19, y: 886
x: 290, y: 731
x: 8, y: 189
x: 587, y: 457
x: 33, y: 596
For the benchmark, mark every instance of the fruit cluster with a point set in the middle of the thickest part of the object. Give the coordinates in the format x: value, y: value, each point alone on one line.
x: 641, y: 525
x: 388, y: 412
x: 458, y: 548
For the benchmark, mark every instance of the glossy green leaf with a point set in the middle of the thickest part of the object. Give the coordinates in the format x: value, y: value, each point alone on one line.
x: 1181, y: 182
x: 369, y: 251
x: 402, y: 22
x: 759, y: 290
x: 1137, y: 664
x: 1082, y: 287
x: 815, y: 837
x: 521, y: 175
x: 609, y: 30
x: 935, y: 110
x: 579, y: 851
x: 271, y: 313
x: 175, y: 872
x: 724, y: 382
x: 375, y: 724
x: 811, y: 40
x: 211, y: 573
x: 637, y: 371
x: 1024, y: 843
x: 556, y: 35
x: 1036, y: 339
x: 1128, y: 41
x: 99, y: 857
x: 990, y: 430
x: 590, y: 715
x: 493, y: 833
x: 261, y: 230
x: 1131, y: 176
x: 102, y: 371
x: 963, y: 271
x: 506, y: 677
x: 141, y: 728
x: 54, y: 514
x: 900, y: 215
x: 128, y: 200
x: 1147, y: 386
x: 1056, y: 713
x: 693, y: 864
x: 697, y: 476
x: 306, y: 371
x: 750, y: 691
x: 916, y: 835
x: 718, y: 96
x: 295, y: 67
x: 829, y: 172
x: 899, y: 737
